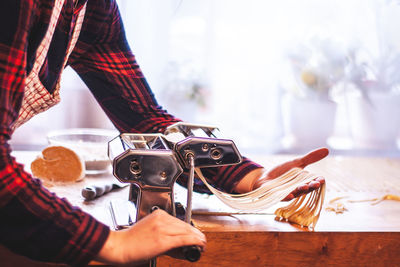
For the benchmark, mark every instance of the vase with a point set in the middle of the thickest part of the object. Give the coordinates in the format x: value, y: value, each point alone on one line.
x: 308, y: 123
x: 374, y: 123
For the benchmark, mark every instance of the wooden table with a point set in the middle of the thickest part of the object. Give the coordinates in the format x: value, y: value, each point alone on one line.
x: 364, y: 235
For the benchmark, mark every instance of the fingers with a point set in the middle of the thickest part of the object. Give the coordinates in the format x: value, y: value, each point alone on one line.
x: 314, y: 156
x: 188, y: 240
x: 302, y: 162
x: 320, y: 179
x: 178, y: 232
x: 300, y: 190
x: 305, y: 188
x: 288, y: 197
x: 174, y: 226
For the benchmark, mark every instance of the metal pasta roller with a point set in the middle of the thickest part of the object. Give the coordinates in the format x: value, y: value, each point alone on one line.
x: 203, y: 143
x: 145, y: 161
x: 151, y: 163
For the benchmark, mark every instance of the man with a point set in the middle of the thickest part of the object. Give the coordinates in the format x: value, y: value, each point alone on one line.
x: 38, y: 38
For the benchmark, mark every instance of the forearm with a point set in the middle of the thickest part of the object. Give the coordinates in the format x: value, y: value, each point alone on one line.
x: 249, y: 181
x: 227, y: 178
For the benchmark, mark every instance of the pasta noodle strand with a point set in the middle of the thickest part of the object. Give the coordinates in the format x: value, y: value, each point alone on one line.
x: 303, y: 210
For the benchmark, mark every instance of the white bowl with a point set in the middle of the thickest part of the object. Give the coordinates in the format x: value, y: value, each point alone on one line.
x: 89, y: 143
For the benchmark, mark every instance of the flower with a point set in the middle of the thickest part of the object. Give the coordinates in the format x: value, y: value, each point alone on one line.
x: 317, y: 66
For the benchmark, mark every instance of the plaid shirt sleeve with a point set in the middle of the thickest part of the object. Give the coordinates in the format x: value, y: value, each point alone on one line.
x: 34, y: 222
x: 105, y: 62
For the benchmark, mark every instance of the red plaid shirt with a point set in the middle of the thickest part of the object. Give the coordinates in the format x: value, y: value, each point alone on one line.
x: 34, y: 222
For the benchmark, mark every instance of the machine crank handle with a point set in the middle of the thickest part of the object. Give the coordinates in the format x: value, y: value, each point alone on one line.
x: 191, y: 253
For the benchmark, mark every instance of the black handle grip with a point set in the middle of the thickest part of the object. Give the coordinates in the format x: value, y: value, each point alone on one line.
x: 192, y: 253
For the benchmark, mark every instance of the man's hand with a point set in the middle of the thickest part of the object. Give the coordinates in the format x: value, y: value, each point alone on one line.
x: 258, y: 177
x: 155, y: 234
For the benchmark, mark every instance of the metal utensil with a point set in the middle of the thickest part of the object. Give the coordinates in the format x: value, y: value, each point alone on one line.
x: 121, y: 216
x: 96, y: 190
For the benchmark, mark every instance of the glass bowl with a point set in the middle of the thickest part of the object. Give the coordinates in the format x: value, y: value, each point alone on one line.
x: 89, y: 143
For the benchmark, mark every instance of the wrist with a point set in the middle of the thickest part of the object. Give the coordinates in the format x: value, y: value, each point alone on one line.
x: 107, y: 253
x: 249, y: 181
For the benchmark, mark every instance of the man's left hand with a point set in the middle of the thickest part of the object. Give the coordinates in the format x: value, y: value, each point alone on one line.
x: 258, y: 177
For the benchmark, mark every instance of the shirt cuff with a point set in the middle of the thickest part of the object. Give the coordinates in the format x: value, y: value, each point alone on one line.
x: 239, y: 175
x: 86, y: 243
x: 226, y: 178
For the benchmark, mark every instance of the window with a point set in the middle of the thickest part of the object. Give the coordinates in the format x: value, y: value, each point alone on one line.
x: 231, y: 63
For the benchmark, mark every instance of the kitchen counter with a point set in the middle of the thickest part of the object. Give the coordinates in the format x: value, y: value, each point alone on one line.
x: 363, y: 235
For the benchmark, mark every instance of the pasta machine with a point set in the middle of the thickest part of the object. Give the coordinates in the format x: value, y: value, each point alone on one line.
x: 151, y: 163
